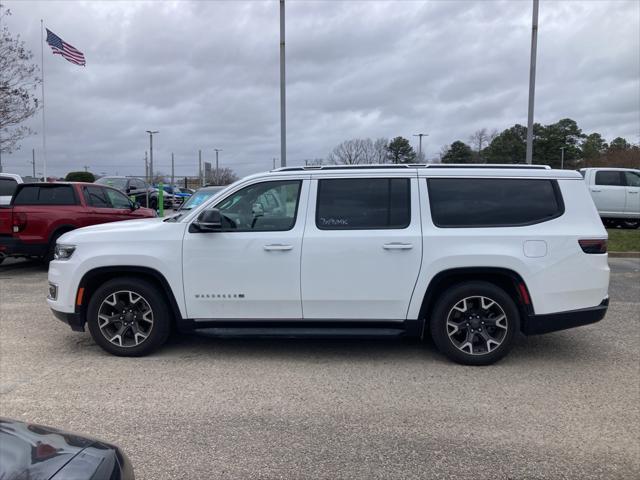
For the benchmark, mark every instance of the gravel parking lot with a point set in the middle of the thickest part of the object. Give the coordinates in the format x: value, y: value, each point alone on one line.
x: 564, y: 405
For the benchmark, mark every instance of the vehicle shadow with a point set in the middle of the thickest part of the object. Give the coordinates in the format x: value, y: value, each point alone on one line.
x: 15, y: 265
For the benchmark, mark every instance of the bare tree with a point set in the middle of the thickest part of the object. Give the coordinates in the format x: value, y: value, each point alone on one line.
x: 380, y: 152
x: 353, y: 152
x: 18, y: 82
x: 222, y: 176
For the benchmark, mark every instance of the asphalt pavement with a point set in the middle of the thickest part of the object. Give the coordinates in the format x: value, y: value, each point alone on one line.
x: 562, y: 405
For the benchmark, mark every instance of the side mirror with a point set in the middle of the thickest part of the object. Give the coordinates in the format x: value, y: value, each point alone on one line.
x: 135, y: 205
x: 209, y: 221
x: 129, y: 189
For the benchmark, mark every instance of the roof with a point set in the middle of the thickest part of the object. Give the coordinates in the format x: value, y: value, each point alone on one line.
x: 432, y: 170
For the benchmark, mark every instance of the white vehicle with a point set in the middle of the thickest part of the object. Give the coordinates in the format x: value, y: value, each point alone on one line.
x: 8, y: 184
x: 472, y: 255
x: 616, y: 193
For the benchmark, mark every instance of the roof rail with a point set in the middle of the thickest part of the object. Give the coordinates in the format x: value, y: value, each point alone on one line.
x: 412, y: 165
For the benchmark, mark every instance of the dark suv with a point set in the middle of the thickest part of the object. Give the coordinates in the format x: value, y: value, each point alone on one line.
x: 137, y: 188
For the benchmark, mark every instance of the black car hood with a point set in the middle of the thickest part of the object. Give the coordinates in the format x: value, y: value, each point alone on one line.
x: 36, y: 452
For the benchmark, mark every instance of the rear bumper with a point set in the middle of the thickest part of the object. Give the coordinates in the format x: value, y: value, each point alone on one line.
x: 11, y: 246
x: 74, y: 320
x: 537, y: 324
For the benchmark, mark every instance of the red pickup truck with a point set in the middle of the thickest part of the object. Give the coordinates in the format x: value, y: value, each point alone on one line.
x: 39, y: 213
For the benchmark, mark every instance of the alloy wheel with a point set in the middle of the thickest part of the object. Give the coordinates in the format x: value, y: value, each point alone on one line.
x: 125, y: 318
x: 477, y: 325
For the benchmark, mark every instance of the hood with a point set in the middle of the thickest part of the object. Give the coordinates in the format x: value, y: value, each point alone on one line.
x: 120, y: 229
x: 34, y: 451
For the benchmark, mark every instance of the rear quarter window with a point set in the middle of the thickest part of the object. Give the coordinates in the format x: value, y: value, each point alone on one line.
x: 493, y: 202
x: 610, y: 177
x: 45, y: 195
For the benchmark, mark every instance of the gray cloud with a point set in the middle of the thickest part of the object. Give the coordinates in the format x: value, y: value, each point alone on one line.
x: 206, y: 75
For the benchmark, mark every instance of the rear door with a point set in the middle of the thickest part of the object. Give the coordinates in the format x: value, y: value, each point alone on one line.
x: 632, y: 181
x: 609, y: 192
x: 362, y: 247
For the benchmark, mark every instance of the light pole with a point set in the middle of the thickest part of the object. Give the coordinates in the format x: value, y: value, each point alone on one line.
x: 217, y: 150
x: 562, y: 158
x: 532, y: 81
x: 151, y: 133
x: 420, y: 135
x: 283, y: 113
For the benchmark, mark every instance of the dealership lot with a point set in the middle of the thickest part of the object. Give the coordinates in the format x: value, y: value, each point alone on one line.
x: 564, y: 405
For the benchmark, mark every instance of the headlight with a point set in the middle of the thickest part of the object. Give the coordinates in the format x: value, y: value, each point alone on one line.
x: 63, y: 252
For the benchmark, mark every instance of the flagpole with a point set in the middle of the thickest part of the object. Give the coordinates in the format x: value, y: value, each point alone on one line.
x: 44, y: 135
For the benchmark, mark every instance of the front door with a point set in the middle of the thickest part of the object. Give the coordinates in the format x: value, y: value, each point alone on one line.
x: 633, y: 193
x: 362, y: 248
x: 250, y: 269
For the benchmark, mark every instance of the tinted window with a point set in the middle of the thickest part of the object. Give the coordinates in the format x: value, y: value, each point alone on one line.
x: 363, y: 203
x: 244, y: 211
x: 7, y: 186
x: 95, y: 196
x: 49, y: 195
x: 493, y: 202
x: 117, y: 199
x: 632, y: 178
x: 609, y: 177
x: 115, y: 182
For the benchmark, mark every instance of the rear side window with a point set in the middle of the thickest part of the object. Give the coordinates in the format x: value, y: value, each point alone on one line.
x: 493, y: 202
x: 7, y: 186
x: 363, y: 203
x: 45, y: 195
x: 609, y: 177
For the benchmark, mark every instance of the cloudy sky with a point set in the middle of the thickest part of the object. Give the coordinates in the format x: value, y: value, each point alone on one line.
x: 206, y: 75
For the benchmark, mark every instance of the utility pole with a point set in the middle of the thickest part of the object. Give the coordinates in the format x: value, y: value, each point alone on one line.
x: 146, y: 168
x: 151, y: 133
x: 532, y: 81
x: 283, y: 113
x: 200, y: 167
x: 562, y: 157
x: 33, y: 162
x: 420, y: 135
x: 274, y: 163
x: 172, y: 172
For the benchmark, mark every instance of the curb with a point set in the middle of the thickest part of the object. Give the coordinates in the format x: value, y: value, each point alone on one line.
x: 624, y: 254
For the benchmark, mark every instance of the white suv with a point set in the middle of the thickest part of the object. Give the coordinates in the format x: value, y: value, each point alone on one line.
x: 472, y: 255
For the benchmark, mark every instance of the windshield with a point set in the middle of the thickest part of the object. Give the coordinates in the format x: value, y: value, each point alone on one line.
x: 115, y: 182
x: 199, y: 197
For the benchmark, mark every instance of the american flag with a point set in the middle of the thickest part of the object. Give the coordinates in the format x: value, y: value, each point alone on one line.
x: 60, y: 47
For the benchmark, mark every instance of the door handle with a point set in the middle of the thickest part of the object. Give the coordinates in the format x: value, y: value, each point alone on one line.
x: 594, y: 190
x: 397, y: 246
x: 278, y: 247
x: 634, y: 192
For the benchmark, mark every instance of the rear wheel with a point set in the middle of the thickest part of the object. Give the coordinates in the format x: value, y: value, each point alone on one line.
x: 474, y: 323
x: 128, y: 317
x: 51, y: 248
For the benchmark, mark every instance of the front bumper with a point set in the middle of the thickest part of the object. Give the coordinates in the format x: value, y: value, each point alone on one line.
x: 537, y: 324
x: 74, y: 320
x: 14, y: 247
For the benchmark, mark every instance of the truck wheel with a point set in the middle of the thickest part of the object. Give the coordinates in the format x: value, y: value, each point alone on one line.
x: 128, y: 317
x: 474, y: 323
x: 51, y: 248
x: 153, y: 204
x: 630, y: 224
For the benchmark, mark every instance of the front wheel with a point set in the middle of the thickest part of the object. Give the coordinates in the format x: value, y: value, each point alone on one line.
x: 128, y: 317
x: 474, y: 323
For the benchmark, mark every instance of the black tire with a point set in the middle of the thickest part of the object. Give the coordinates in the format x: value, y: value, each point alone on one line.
x: 449, y: 333
x: 157, y: 333
x: 630, y: 224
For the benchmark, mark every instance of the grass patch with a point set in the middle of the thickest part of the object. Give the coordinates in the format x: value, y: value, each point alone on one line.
x: 624, y: 240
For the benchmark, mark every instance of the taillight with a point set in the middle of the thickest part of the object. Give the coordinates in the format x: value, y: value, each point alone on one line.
x: 19, y: 222
x: 593, y: 245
